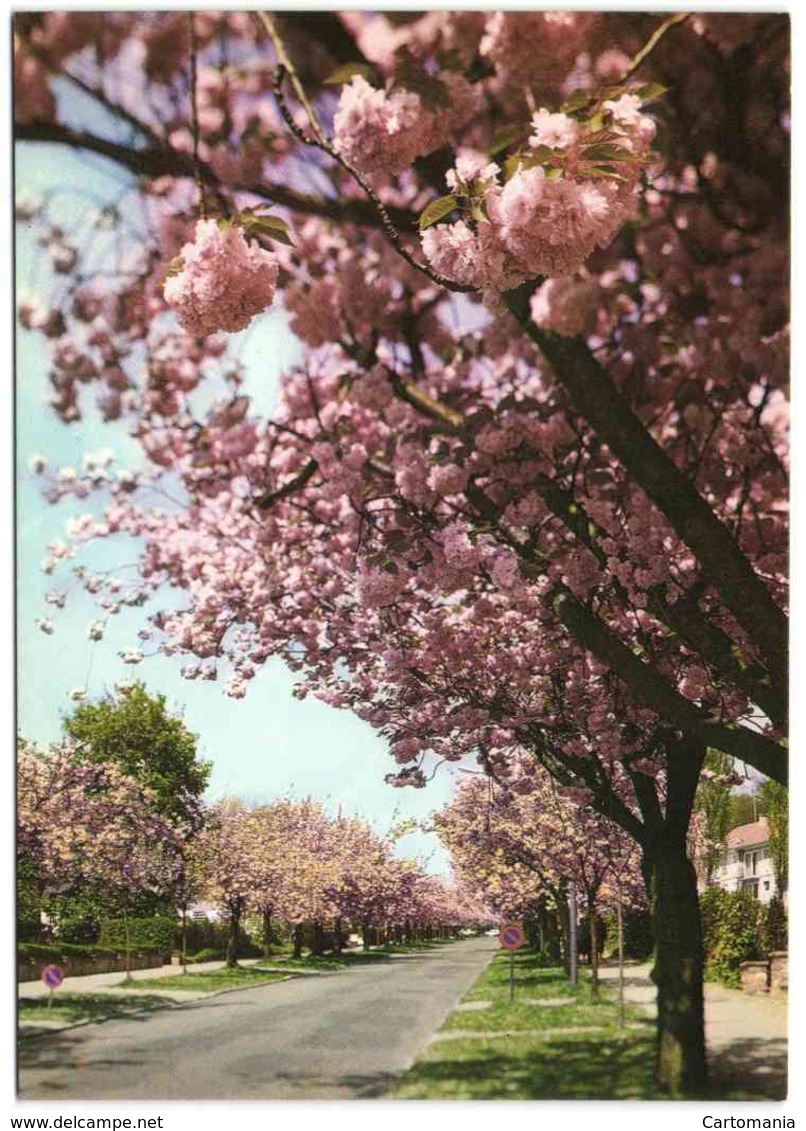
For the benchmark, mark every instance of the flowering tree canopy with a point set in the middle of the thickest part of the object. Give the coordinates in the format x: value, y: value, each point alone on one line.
x: 516, y: 839
x: 83, y: 823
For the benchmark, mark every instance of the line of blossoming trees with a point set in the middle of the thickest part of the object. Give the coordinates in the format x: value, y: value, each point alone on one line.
x: 525, y: 492
x: 83, y: 824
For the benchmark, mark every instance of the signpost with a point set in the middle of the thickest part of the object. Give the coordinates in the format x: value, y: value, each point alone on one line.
x: 511, y: 937
x: 572, y: 914
x: 52, y: 976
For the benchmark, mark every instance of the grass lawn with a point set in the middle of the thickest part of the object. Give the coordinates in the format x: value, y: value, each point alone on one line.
x: 208, y: 982
x: 609, y: 1064
x: 69, y: 1008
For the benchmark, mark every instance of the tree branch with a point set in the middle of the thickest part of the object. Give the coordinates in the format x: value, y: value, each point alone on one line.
x: 647, y: 685
x: 595, y: 395
x: 151, y: 161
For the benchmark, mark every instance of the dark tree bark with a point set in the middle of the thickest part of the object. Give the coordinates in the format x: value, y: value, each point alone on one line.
x: 318, y: 939
x: 594, y: 945
x: 267, y: 932
x: 678, y: 969
x: 681, y: 1066
x: 235, y: 913
x: 297, y: 940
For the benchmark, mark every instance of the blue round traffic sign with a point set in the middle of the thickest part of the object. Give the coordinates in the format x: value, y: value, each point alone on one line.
x: 53, y: 976
x: 511, y: 936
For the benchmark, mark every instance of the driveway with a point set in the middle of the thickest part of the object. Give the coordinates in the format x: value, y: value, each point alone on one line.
x: 349, y: 1035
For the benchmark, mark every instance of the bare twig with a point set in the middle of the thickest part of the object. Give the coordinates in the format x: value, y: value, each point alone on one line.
x: 653, y: 41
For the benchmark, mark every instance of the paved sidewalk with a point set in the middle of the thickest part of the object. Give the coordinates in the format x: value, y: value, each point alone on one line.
x: 106, y: 983
x: 745, y: 1034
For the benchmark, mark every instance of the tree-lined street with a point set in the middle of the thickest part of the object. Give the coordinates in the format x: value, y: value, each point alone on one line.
x: 341, y: 1036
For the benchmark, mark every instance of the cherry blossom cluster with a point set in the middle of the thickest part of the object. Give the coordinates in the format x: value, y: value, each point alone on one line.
x: 385, y: 131
x: 223, y: 280
x: 557, y: 206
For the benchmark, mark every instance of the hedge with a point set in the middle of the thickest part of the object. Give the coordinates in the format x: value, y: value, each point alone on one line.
x: 202, y: 934
x: 157, y: 933
x: 733, y: 929
x: 28, y: 952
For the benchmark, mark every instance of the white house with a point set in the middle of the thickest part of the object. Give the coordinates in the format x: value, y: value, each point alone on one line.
x: 746, y: 862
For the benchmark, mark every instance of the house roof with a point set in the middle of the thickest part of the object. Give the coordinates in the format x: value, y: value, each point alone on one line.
x: 757, y: 832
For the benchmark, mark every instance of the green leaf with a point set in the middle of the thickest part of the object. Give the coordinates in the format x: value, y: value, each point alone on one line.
x: 270, y: 227
x: 576, y: 101
x: 348, y: 71
x: 437, y: 210
x: 174, y: 267
x: 505, y: 136
x: 604, y: 151
x: 651, y: 91
x: 607, y: 171
x: 542, y: 155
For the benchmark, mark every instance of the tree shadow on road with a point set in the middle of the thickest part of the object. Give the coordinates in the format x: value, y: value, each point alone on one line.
x: 754, y: 1066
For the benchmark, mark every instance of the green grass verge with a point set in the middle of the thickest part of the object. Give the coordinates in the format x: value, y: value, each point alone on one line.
x: 208, y: 982
x: 70, y: 1008
x: 587, y: 1066
x: 612, y: 1063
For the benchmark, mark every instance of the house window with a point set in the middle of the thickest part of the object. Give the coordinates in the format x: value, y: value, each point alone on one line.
x: 751, y: 886
x: 766, y: 885
x: 751, y: 860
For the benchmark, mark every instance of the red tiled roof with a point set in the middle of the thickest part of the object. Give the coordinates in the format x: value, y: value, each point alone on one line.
x: 757, y: 832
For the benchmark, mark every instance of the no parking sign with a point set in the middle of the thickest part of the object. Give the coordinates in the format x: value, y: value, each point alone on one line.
x: 511, y: 937
x: 52, y: 976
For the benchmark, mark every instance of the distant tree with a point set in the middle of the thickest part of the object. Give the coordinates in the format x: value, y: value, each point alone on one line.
x: 137, y: 732
x: 713, y: 802
x: 745, y: 808
x: 776, y: 806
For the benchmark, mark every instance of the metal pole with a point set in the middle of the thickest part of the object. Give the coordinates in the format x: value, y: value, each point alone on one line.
x: 572, y: 913
x: 511, y: 975
x: 620, y: 962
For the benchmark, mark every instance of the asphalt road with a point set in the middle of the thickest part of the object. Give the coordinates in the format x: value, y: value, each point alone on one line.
x: 348, y: 1035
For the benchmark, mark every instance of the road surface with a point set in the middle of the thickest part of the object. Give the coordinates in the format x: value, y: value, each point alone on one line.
x: 348, y: 1035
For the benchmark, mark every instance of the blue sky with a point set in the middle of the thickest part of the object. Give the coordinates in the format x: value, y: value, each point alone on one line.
x: 260, y: 747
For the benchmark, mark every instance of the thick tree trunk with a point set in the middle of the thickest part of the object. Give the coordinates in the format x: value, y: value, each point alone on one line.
x: 594, y: 945
x: 297, y: 940
x: 234, y: 930
x: 267, y: 932
x: 318, y: 940
x: 337, y: 939
x: 365, y: 929
x: 678, y: 969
